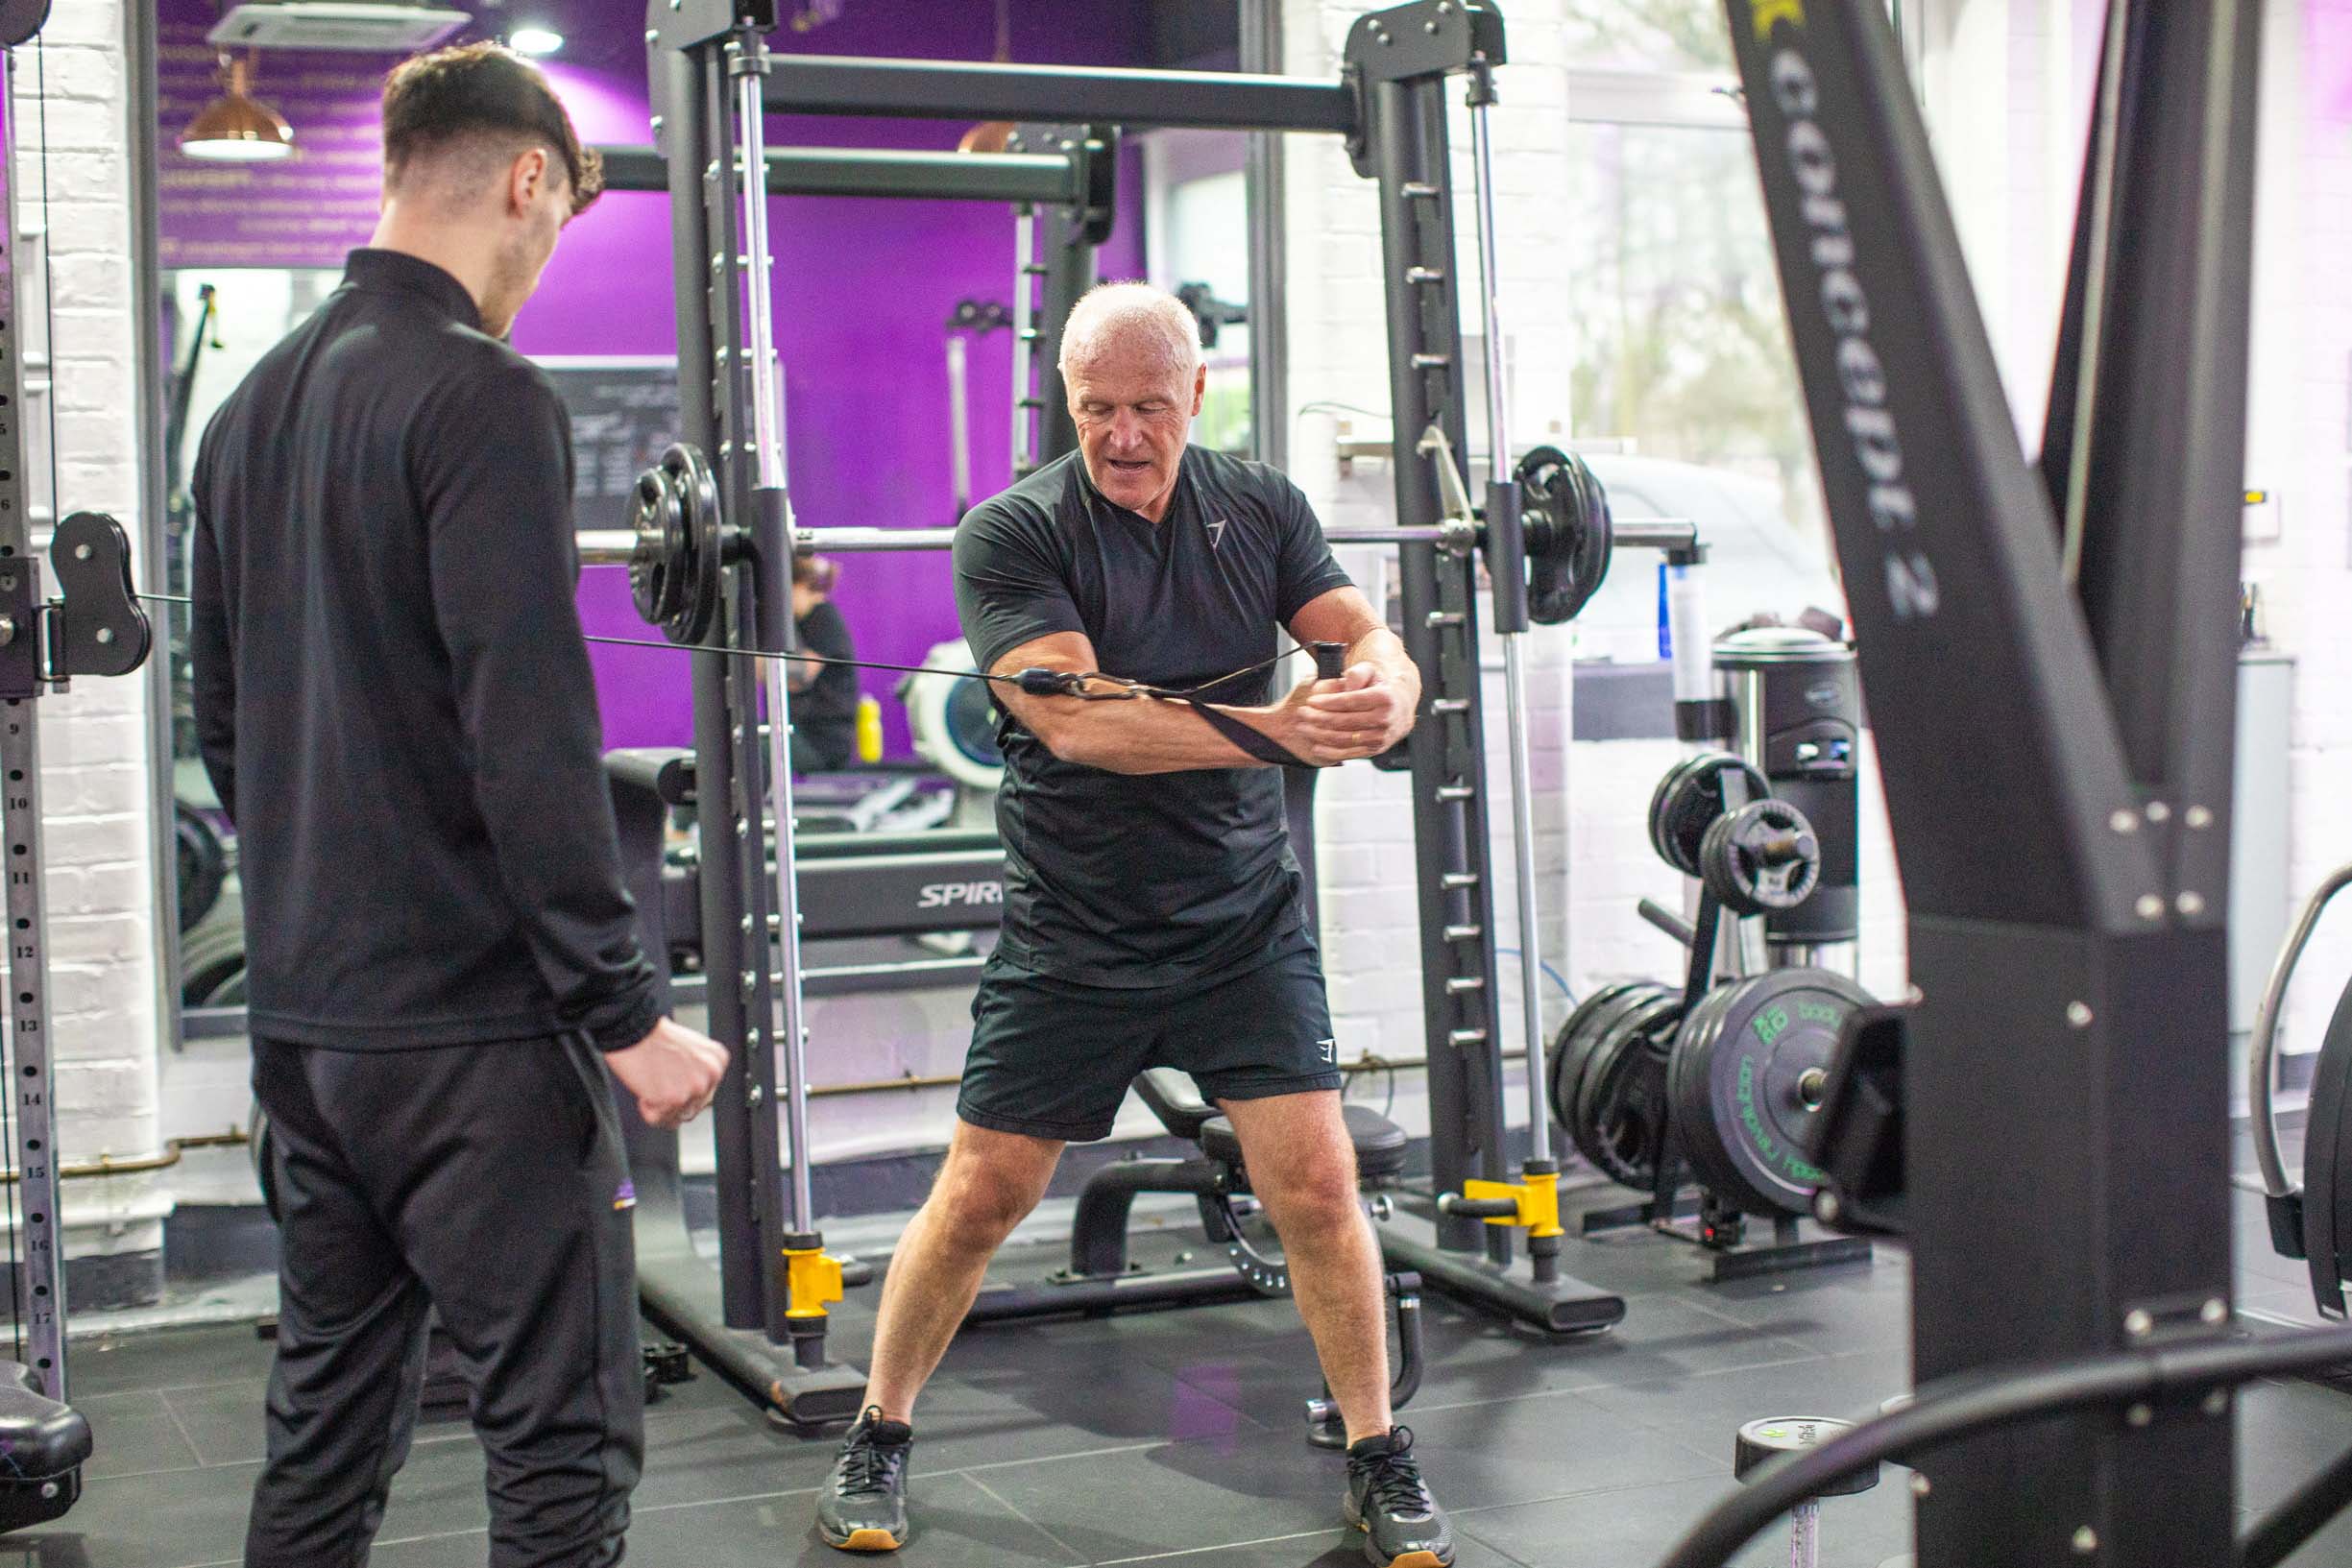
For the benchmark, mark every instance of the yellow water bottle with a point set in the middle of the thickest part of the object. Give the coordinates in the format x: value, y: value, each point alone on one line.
x: 869, y: 729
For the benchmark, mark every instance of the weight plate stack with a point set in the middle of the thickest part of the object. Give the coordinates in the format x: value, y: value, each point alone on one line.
x: 203, y: 863
x: 1621, y: 1102
x: 1688, y: 801
x: 1573, y: 1046
x: 1746, y: 1079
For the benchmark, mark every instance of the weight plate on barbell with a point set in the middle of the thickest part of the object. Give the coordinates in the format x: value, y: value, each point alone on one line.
x: 674, y: 575
x: 1746, y: 1079
x: 1622, y: 1102
x: 1691, y: 798
x: 1568, y: 535
x: 1760, y: 858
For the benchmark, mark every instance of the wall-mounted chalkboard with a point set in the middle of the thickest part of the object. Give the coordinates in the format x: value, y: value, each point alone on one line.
x: 625, y: 411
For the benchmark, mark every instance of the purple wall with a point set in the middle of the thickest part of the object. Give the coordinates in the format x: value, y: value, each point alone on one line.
x: 862, y: 288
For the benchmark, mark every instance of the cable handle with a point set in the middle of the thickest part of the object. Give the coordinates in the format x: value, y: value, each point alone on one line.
x: 1330, y: 660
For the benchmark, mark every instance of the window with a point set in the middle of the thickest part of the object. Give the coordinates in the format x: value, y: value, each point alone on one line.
x: 1651, y: 35
x: 1685, y: 389
x: 1196, y: 242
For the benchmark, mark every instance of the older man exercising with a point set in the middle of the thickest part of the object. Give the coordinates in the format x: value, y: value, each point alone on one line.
x: 1152, y: 911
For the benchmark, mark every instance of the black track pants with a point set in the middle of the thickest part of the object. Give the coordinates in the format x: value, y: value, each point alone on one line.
x: 486, y: 1182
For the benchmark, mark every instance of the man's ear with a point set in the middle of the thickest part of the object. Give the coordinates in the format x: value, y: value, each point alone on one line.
x: 1200, y: 385
x: 526, y: 177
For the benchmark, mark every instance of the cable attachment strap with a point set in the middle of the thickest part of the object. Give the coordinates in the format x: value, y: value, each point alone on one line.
x: 1256, y: 742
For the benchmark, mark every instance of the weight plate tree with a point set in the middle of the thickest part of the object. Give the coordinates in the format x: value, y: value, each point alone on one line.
x: 1745, y: 1082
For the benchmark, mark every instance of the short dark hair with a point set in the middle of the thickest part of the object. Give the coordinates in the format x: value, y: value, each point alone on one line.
x: 480, y: 90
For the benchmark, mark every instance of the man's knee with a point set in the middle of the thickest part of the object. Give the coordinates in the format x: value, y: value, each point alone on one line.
x: 989, y: 1184
x: 1309, y: 1202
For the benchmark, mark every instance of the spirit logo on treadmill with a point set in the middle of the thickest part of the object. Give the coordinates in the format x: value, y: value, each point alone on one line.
x: 1216, y: 533
x: 948, y: 894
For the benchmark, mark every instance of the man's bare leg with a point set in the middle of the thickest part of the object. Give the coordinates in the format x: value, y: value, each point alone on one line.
x: 1302, y: 1166
x: 987, y: 1185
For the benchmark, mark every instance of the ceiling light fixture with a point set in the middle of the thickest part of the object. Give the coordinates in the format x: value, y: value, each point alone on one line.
x: 535, y: 40
x: 236, y: 127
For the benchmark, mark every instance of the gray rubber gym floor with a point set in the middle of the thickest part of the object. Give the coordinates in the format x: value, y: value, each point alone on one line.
x: 1176, y: 1436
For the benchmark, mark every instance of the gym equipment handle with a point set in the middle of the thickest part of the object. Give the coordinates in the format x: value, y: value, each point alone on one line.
x: 1963, y: 1406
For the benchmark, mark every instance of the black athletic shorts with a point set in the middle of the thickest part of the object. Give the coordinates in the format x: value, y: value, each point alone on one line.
x: 1053, y: 1059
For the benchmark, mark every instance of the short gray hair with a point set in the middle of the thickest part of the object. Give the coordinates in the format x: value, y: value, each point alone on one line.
x: 1154, y: 321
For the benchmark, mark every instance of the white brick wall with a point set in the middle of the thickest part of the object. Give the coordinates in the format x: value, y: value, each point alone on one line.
x: 95, y: 759
x: 2300, y: 444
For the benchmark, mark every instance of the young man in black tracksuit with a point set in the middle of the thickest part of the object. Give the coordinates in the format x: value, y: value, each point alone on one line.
x: 395, y: 705
x: 1153, y: 914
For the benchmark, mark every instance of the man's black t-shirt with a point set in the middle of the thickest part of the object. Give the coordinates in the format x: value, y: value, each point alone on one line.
x: 825, y: 712
x: 1116, y: 879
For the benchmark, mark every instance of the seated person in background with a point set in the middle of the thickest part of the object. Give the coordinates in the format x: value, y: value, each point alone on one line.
x: 824, y: 696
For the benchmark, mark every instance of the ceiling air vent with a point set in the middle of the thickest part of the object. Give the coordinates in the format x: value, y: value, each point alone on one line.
x: 377, y: 25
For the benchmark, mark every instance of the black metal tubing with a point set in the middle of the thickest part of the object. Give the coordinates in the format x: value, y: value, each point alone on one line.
x: 940, y: 90
x: 1564, y: 1306
x: 694, y: 91
x: 943, y: 177
x: 2174, y: 1378
x: 1447, y: 750
x: 2083, y: 982
x: 2167, y: 419
x: 1944, y: 531
x: 1068, y: 256
x: 1098, y: 1230
x: 2279, y: 1533
x: 1095, y: 1297
x: 1261, y: 50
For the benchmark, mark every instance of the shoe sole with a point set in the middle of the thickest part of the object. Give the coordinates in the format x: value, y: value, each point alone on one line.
x: 1410, y: 1559
x: 862, y: 1540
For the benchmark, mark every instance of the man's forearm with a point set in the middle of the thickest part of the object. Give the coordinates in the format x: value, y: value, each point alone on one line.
x: 1149, y: 734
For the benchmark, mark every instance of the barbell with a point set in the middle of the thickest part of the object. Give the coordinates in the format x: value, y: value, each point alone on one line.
x: 677, y: 540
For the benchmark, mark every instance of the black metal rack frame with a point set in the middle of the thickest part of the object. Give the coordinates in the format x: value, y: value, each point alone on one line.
x: 1390, y: 105
x: 2062, y: 635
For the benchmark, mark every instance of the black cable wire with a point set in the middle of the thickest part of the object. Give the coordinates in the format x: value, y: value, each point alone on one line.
x: 1037, y: 683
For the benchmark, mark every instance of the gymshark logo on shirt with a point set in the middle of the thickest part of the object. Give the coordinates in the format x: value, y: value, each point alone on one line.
x: 1216, y: 533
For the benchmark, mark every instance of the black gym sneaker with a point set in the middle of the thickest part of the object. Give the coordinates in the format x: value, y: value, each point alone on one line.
x: 1388, y: 1501
x: 863, y: 1506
